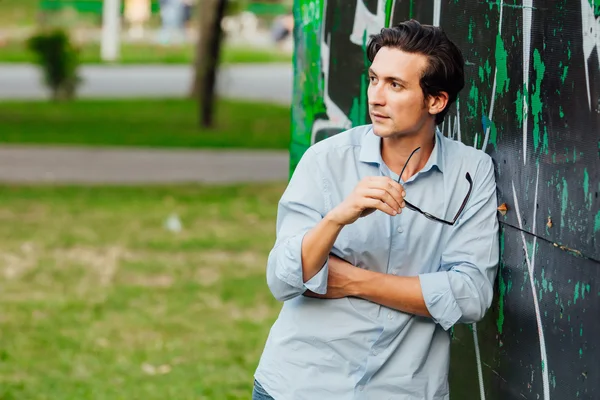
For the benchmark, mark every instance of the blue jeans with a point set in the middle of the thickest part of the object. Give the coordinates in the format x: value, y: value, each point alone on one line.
x: 259, y: 393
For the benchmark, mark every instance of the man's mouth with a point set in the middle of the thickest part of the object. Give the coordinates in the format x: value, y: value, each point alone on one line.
x: 378, y: 115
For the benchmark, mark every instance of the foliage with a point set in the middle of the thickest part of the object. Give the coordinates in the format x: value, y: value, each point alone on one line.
x: 59, y: 61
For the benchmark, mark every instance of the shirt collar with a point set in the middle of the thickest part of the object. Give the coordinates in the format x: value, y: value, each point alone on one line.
x: 370, y: 151
x: 436, y: 159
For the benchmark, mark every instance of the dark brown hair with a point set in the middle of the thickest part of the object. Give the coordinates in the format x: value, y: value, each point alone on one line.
x: 445, y: 71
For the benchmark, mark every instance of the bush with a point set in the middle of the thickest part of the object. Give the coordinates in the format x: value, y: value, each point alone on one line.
x: 59, y: 60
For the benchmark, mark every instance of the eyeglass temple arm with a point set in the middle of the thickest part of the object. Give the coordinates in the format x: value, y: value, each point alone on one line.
x: 462, y: 207
x: 406, y: 163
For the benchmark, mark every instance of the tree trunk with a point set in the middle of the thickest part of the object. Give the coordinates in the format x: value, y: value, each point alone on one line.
x: 211, y: 13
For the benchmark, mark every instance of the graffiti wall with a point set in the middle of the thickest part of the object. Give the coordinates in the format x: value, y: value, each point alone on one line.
x: 532, y: 101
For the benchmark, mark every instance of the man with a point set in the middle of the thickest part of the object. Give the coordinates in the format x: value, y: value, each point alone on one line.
x: 387, y: 236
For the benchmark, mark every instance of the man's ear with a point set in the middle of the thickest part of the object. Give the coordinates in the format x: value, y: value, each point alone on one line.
x: 438, y: 103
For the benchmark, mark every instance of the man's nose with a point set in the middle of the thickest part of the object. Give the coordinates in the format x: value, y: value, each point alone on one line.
x: 375, y: 95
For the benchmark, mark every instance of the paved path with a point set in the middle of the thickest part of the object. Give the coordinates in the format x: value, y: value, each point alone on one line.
x: 139, y: 166
x: 261, y: 82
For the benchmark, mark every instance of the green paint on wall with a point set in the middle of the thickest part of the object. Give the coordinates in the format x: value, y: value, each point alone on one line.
x: 564, y: 201
x: 502, y: 290
x: 519, y: 109
x: 493, y: 139
x: 544, y: 280
x: 488, y: 68
x: 389, y: 4
x: 358, y: 112
x: 536, y: 96
x: 596, y: 5
x: 586, y: 187
x: 561, y: 112
x: 308, y: 84
x: 564, y: 74
x: 576, y: 294
x: 502, y: 79
x: 471, y: 27
x: 473, y: 101
x: 597, y: 223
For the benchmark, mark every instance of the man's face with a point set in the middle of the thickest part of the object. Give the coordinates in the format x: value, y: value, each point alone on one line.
x: 396, y: 102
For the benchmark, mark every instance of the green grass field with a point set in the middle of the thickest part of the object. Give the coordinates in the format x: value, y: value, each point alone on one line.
x: 144, y: 53
x: 146, y: 123
x: 18, y: 12
x: 100, y: 301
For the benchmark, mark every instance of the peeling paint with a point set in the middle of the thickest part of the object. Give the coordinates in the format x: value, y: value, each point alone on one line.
x: 499, y: 40
x: 536, y: 96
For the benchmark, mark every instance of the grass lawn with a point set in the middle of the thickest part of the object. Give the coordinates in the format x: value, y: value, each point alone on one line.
x: 101, y: 302
x: 151, y: 123
x: 141, y: 53
x: 18, y: 12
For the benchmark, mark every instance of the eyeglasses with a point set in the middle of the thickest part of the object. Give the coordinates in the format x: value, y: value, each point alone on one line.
x: 430, y: 216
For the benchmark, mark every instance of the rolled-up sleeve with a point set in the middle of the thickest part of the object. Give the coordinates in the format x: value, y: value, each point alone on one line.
x: 300, y: 209
x: 462, y: 290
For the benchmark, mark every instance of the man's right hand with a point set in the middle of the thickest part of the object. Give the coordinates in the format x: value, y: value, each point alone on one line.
x: 372, y: 193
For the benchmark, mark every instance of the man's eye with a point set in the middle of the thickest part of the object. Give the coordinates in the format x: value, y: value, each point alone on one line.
x: 372, y: 79
x: 396, y: 85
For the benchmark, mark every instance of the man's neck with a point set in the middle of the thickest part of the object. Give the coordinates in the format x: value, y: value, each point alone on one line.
x: 396, y: 150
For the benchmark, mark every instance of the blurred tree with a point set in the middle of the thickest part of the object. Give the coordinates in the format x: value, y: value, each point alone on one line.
x: 211, y: 13
x: 58, y: 58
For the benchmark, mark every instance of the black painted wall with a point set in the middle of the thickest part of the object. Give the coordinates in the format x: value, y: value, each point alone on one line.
x: 532, y: 101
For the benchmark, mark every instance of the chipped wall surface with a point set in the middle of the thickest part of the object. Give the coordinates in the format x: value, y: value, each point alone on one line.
x: 531, y: 100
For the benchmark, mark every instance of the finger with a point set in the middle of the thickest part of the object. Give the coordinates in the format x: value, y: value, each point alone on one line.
x: 380, y: 205
x: 384, y: 196
x: 391, y: 186
x: 386, y: 183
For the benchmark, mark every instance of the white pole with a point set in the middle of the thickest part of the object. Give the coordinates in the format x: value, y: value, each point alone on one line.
x: 111, y: 29
x: 437, y: 12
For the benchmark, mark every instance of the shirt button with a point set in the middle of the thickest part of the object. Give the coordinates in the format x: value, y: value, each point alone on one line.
x: 400, y: 229
x: 390, y: 316
x: 360, y: 387
x: 374, y: 352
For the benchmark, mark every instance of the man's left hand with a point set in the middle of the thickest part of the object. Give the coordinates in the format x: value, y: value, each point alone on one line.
x: 340, y: 279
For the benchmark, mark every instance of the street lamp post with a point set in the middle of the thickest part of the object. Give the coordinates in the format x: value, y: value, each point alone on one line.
x: 111, y: 29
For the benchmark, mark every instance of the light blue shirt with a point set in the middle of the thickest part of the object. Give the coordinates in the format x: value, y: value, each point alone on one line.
x: 351, y: 348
